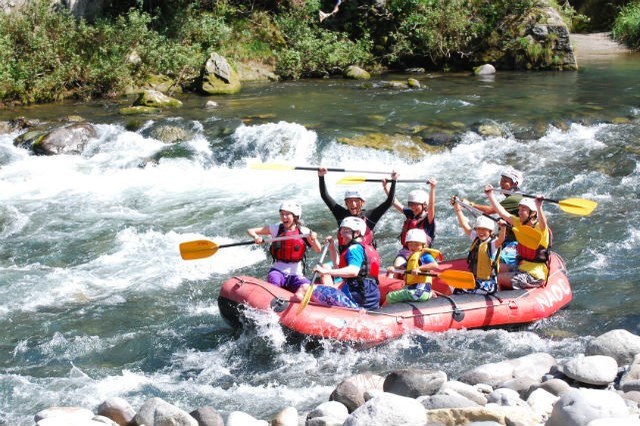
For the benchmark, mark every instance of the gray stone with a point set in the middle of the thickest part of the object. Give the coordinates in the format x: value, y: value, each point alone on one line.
x: 350, y: 391
x: 64, y: 412
x: 578, y: 407
x: 157, y: 412
x: 486, y: 69
x: 118, y: 410
x: 356, y: 73
x: 207, y: 416
x: 332, y: 409
x: 388, y: 409
x: 464, y: 389
x: 155, y: 99
x: 597, y: 370
x: 414, y: 383
x: 452, y: 400
x: 619, y: 344
x: 286, y: 417
x: 554, y: 386
x: 238, y: 418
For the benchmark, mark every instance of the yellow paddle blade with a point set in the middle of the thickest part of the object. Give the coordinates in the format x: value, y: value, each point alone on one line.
x: 351, y: 180
x: 577, y: 206
x: 198, y: 249
x: 271, y: 166
x: 527, y: 236
x: 306, y: 298
x: 458, y: 279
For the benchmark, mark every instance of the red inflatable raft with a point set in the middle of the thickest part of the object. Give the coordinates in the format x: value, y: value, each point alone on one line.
x: 442, y: 313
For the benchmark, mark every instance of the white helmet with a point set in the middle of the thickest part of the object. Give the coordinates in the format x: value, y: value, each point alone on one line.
x: 418, y: 196
x: 354, y: 223
x: 353, y: 193
x: 485, y: 222
x: 513, y: 174
x: 416, y: 235
x: 530, y: 203
x: 292, y: 207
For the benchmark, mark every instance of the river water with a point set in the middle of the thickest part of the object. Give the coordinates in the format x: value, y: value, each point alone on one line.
x: 95, y: 300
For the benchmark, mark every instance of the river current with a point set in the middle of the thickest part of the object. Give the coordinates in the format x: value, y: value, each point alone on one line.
x: 96, y: 302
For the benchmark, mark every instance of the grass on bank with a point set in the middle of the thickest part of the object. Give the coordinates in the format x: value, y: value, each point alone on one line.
x: 47, y: 56
x: 626, y: 27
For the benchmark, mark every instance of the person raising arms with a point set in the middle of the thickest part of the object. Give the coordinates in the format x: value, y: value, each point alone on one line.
x: 483, y: 257
x: 531, y: 269
x: 354, y: 203
x: 287, y: 270
x: 420, y: 214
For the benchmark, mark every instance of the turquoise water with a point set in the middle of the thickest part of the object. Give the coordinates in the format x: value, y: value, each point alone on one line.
x: 96, y: 302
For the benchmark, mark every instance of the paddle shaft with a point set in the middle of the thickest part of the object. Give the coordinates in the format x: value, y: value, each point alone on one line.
x: 348, y: 181
x: 335, y: 169
x: 478, y: 212
x: 246, y: 243
x: 509, y: 192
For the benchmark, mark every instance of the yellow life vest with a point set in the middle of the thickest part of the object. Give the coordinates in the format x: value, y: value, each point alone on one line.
x: 481, y: 260
x: 414, y: 263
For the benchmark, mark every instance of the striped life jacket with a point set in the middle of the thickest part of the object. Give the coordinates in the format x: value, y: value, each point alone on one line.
x: 289, y: 251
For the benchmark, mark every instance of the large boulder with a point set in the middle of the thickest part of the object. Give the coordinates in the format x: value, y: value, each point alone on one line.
x: 68, y: 139
x: 619, y: 344
x: 158, y: 412
x: 218, y: 77
x: 350, y: 391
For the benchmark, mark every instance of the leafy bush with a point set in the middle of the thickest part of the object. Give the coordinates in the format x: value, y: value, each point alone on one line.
x: 626, y: 28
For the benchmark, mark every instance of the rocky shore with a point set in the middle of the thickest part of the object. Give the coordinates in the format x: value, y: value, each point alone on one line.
x: 600, y: 387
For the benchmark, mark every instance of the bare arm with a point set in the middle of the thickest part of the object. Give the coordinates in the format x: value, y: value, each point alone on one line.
x: 256, y: 233
x: 497, y: 206
x: 462, y: 220
x: 502, y: 226
x: 542, y: 218
x: 313, y: 240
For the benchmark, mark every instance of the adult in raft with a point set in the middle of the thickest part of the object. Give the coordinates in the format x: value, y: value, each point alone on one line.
x: 420, y: 214
x: 354, y: 202
x: 287, y: 270
x: 531, y: 270
x: 354, y: 282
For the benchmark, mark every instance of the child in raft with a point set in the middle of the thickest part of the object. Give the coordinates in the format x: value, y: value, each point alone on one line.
x: 484, y: 253
x: 422, y: 259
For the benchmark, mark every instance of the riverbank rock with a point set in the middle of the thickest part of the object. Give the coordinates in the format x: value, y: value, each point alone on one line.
x: 118, y: 410
x: 156, y: 411
x: 350, y: 391
x: 413, y: 383
x: 255, y: 71
x: 207, y: 416
x: 356, y: 73
x: 155, y: 99
x: 69, y: 139
x: 388, y: 409
x: 218, y: 77
x: 580, y: 407
x: 596, y: 370
x: 410, y: 147
x: 618, y: 344
x: 537, y: 41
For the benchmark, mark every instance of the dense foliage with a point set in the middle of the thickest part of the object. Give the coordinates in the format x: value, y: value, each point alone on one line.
x: 46, y: 56
x: 627, y: 26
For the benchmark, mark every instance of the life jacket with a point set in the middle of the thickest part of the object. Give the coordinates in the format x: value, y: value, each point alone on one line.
x: 482, y: 262
x: 370, y: 266
x: 408, y: 224
x: 290, y: 251
x: 537, y: 255
x: 414, y: 263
